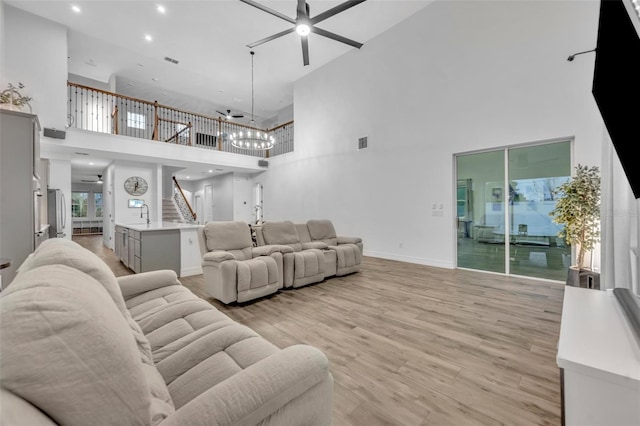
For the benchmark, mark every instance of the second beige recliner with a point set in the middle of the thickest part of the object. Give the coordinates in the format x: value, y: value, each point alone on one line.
x: 302, y: 267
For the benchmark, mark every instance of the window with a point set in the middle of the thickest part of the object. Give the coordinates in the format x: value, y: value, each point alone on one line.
x: 79, y: 204
x: 136, y: 121
x: 97, y: 202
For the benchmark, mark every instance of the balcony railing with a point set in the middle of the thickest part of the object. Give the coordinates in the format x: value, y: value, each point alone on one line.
x: 106, y: 112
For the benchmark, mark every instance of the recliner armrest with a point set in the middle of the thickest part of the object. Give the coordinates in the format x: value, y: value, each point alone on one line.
x: 132, y: 285
x: 315, y: 245
x: 217, y: 257
x: 268, y: 250
x: 258, y: 391
x: 349, y: 240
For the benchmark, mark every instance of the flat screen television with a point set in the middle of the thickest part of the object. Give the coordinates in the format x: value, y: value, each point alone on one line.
x: 616, y: 85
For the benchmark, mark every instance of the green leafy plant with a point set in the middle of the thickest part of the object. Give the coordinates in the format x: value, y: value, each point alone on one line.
x: 578, y: 209
x: 12, y: 96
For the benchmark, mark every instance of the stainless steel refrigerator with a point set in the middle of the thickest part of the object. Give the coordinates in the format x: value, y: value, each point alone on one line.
x: 57, y: 213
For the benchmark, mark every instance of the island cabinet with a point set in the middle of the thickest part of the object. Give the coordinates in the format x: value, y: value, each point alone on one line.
x: 145, y: 248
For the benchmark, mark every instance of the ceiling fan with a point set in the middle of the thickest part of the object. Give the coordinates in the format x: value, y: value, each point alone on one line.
x: 228, y: 114
x: 305, y: 24
x: 93, y: 181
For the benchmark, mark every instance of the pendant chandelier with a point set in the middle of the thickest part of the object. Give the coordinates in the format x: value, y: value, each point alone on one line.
x: 252, y: 139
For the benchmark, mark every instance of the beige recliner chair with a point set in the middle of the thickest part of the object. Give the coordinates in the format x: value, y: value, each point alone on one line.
x: 233, y: 269
x: 348, y: 249
x: 306, y: 265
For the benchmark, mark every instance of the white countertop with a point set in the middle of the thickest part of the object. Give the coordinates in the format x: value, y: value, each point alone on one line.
x: 157, y: 226
x: 596, y: 338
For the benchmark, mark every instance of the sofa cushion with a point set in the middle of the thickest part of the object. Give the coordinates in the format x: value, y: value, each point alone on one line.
x: 58, y: 251
x: 322, y: 230
x: 228, y: 235
x: 67, y: 349
x: 283, y: 233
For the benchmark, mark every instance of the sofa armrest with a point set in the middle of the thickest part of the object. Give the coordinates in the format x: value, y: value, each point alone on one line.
x: 349, y: 240
x: 270, y: 249
x: 258, y: 391
x: 132, y: 285
x: 315, y: 245
x: 217, y: 257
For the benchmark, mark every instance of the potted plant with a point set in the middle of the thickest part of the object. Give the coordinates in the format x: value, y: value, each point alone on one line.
x: 13, y: 99
x: 578, y: 209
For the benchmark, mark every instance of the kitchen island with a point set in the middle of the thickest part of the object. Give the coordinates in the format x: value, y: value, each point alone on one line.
x: 146, y: 247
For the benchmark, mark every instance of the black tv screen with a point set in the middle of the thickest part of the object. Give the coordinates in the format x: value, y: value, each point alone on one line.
x: 616, y: 85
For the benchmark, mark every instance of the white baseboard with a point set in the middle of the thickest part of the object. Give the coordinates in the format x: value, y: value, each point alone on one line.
x: 410, y: 259
x: 190, y: 271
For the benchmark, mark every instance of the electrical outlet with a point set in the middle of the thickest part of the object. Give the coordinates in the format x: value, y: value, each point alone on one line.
x: 437, y: 213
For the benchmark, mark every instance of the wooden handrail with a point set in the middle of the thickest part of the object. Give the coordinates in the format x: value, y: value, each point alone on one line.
x: 157, y: 105
x: 280, y: 126
x: 193, y: 214
x: 187, y: 127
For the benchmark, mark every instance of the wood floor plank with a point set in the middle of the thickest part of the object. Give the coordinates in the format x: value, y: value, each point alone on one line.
x: 417, y: 345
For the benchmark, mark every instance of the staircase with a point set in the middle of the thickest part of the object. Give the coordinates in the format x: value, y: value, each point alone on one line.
x: 169, y: 211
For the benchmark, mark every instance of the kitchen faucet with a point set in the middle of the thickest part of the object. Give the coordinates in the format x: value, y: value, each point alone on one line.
x: 141, y: 207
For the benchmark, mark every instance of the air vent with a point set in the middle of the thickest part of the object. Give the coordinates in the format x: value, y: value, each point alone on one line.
x: 168, y: 59
x: 362, y: 143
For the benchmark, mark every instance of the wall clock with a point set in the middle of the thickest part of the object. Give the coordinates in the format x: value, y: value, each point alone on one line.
x: 135, y: 185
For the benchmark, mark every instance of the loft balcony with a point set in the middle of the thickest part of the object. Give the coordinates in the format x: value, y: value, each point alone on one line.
x: 100, y: 111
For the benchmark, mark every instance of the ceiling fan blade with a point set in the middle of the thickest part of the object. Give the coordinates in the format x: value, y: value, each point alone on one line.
x: 268, y: 10
x: 302, y: 9
x: 305, y: 50
x: 221, y: 113
x: 237, y: 116
x: 335, y: 10
x: 266, y: 39
x: 335, y: 37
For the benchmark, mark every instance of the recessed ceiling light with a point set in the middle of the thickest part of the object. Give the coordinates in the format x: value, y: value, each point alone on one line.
x: 188, y: 177
x: 160, y: 8
x: 91, y: 163
x: 148, y: 37
x: 75, y: 8
x: 154, y: 78
x: 210, y: 171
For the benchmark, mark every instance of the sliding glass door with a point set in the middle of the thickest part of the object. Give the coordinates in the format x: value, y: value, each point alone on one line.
x: 504, y: 198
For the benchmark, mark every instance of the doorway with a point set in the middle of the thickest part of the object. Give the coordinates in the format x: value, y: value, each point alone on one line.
x: 504, y: 198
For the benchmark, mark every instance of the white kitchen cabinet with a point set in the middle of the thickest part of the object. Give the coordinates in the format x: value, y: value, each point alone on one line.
x: 21, y: 222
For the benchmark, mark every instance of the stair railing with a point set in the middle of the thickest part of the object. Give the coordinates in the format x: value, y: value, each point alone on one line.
x: 182, y: 200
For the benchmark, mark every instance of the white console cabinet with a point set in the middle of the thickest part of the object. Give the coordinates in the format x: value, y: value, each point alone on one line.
x: 599, y: 359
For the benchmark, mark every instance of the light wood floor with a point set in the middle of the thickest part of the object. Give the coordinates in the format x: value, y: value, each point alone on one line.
x: 417, y: 345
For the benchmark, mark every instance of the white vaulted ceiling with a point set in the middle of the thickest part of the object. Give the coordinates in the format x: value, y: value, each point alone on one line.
x: 208, y: 38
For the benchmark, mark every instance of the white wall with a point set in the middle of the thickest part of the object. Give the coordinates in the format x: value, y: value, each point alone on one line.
x: 456, y: 77
x: 35, y: 54
x: 60, y: 178
x: 122, y: 171
x: 232, y: 196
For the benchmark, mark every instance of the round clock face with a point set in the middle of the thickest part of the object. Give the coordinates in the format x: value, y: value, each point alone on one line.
x: 135, y: 185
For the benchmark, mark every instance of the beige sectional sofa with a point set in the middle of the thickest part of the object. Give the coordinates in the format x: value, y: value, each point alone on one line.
x: 342, y: 255
x: 82, y: 347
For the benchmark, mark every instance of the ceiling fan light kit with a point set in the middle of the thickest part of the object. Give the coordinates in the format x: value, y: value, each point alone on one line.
x: 305, y: 25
